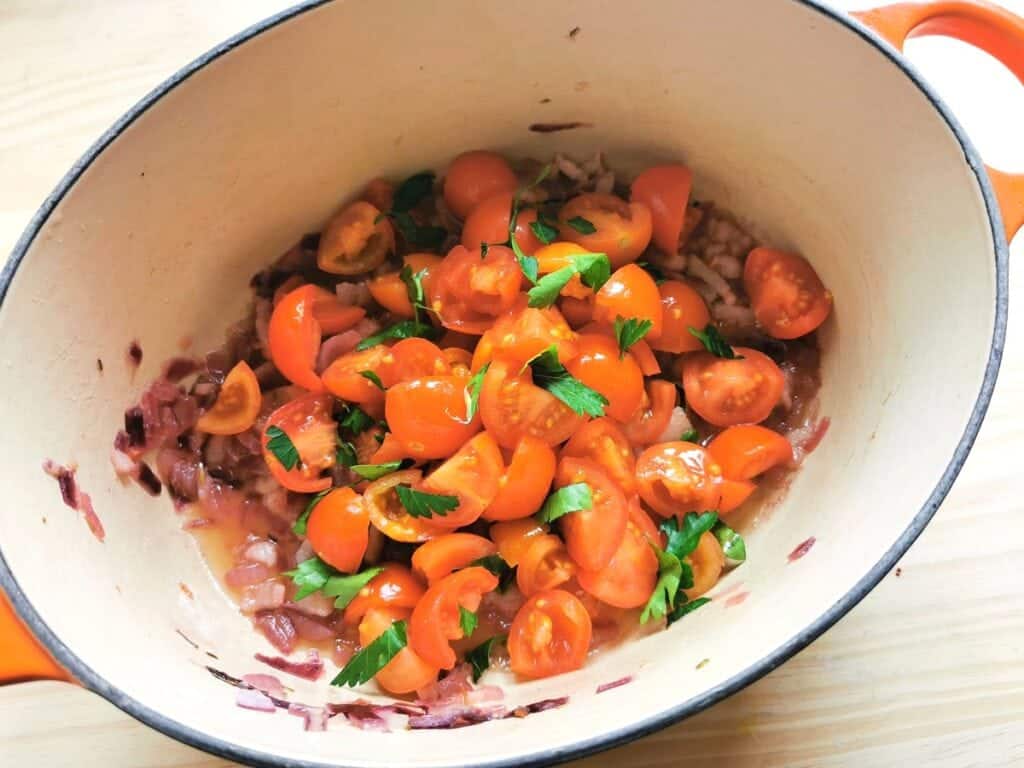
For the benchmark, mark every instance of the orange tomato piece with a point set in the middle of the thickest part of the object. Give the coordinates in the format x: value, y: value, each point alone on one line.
x: 603, y: 442
x: 678, y: 477
x: 747, y: 450
x: 641, y: 352
x: 469, y: 291
x: 732, y: 493
x: 294, y: 338
x: 472, y: 474
x: 707, y: 562
x: 406, y: 672
x: 435, y: 559
x: 388, y: 515
x: 523, y: 333
x: 428, y: 416
x: 557, y: 255
x: 621, y: 230
x: 592, y: 535
x: 630, y: 293
x: 413, y: 359
x: 391, y: 292
x: 333, y: 316
x: 526, y: 481
x: 577, y: 312
x: 395, y: 587
x: 550, y: 634
x: 682, y: 308
x: 345, y: 380
x: 600, y: 366
x: 435, y: 619
x: 338, y: 529
x: 308, y: 425
x: 356, y: 240
x: 543, y: 564
x: 727, y: 392
x: 652, y: 417
x: 512, y: 406
x: 237, y: 405
x: 475, y: 176
x: 628, y: 579
x: 665, y: 190
x: 788, y: 297
x: 488, y: 223
x: 514, y: 537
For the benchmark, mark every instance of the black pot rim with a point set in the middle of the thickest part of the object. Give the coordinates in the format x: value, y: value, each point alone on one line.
x: 193, y: 737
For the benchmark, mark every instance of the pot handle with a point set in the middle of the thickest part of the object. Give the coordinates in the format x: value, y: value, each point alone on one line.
x: 21, y: 655
x: 983, y: 25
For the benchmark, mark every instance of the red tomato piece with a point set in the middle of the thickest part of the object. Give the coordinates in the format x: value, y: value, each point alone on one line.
x: 406, y: 672
x: 468, y: 292
x: 732, y: 493
x: 472, y: 474
x: 526, y: 482
x: 356, y: 240
x: 511, y: 406
x: 678, y: 477
x: 427, y: 416
x: 593, y: 535
x: 438, y: 557
x: 294, y: 338
x: 726, y: 392
x: 391, y: 292
x: 308, y: 424
x: 345, y: 380
x: 600, y: 366
x: 394, y: 587
x: 665, y: 190
x: 621, y: 230
x: 603, y: 442
x: 514, y: 537
x: 338, y: 529
x: 788, y: 297
x: 544, y: 563
x: 435, y: 619
x: 413, y: 359
x: 707, y: 562
x: 237, y: 405
x: 488, y: 223
x: 524, y: 333
x: 549, y: 635
x: 630, y: 293
x: 388, y: 515
x: 628, y: 579
x: 748, y: 450
x: 475, y: 176
x: 654, y: 414
x: 682, y: 308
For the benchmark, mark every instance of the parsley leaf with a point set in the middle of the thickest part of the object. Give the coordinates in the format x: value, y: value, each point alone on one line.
x: 581, y: 225
x: 528, y: 264
x: 373, y: 658
x: 682, y: 540
x: 355, y: 420
x: 413, y: 288
x: 684, y: 608
x: 629, y: 332
x: 690, y: 436
x: 299, y: 526
x: 345, y: 588
x: 479, y: 658
x: 493, y: 563
x: 405, y: 329
x: 568, y: 498
x: 544, y: 229
x: 594, y: 270
x: 346, y: 455
x: 373, y: 378
x: 412, y: 191
x: 670, y: 573
x: 673, y: 573
x: 422, y: 504
x: 467, y: 621
x: 473, y: 392
x: 550, y: 374
x: 282, y: 447
x: 421, y: 235
x: 733, y: 546
x: 310, y: 576
x: 714, y: 343
x: 375, y: 471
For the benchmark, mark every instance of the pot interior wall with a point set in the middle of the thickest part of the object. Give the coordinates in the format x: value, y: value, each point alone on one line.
x: 787, y: 117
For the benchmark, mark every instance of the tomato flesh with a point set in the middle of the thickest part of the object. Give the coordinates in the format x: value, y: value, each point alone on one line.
x: 308, y: 424
x: 549, y: 635
x: 628, y: 579
x: 469, y: 290
x: 665, y: 190
x: 338, y: 529
x: 356, y: 240
x: 593, y: 535
x: 394, y: 587
x: 682, y: 308
x: 621, y: 230
x: 472, y: 474
x: 488, y: 223
x: 237, y: 406
x: 435, y: 619
x: 512, y: 406
x: 678, y: 477
x: 438, y: 557
x: 294, y: 338
x: 526, y: 481
x: 726, y: 392
x: 788, y: 297
x: 748, y: 450
x: 630, y: 293
x: 428, y: 416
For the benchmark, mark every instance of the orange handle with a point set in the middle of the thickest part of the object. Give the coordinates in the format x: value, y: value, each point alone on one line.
x: 984, y: 25
x: 21, y: 655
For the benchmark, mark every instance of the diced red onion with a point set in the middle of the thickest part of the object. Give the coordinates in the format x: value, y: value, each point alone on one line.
x: 310, y: 669
x: 336, y: 346
x: 265, y: 596
x: 250, y: 698
x: 247, y: 574
x: 316, y: 604
x: 262, y: 551
x: 303, y: 553
x: 310, y: 629
x: 269, y: 684
x: 313, y: 718
x: 449, y: 688
x: 614, y: 684
x: 277, y: 627
x: 678, y: 423
x: 354, y: 294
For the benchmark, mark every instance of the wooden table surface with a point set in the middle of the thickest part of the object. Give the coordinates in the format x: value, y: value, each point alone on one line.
x: 928, y: 670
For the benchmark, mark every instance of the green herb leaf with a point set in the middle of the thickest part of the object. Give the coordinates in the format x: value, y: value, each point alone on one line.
x: 373, y: 378
x: 653, y: 271
x: 546, y: 291
x: 467, y: 621
x: 550, y: 374
x: 376, y: 471
x: 422, y: 504
x: 681, y: 540
x: 346, y: 455
x: 670, y: 573
x: 420, y: 235
x: 528, y: 264
x: 476, y: 381
x: 413, y: 288
x: 355, y: 420
x: 412, y: 191
x: 690, y: 436
x: 282, y: 447
x: 310, y: 576
x: 581, y: 225
x: 493, y: 563
x: 685, y: 607
x: 714, y: 343
x: 594, y: 269
x: 345, y: 588
x: 733, y: 546
x: 629, y: 331
x: 484, y: 247
x: 479, y: 658
x: 406, y: 329
x: 373, y: 658
x: 299, y: 526
x: 544, y: 229
x: 568, y: 498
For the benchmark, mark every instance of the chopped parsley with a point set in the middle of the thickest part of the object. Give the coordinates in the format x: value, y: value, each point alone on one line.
x: 628, y: 331
x: 422, y: 504
x: 310, y: 576
x: 683, y: 538
x: 373, y: 658
x: 653, y: 271
x: 409, y: 194
x: 670, y: 575
x: 314, y: 575
x: 299, y: 526
x: 284, y: 450
x: 405, y: 329
x: 568, y: 498
x: 528, y: 264
x: 346, y: 455
x: 355, y: 420
x: 412, y: 191
x: 373, y: 378
x: 414, y: 289
x: 550, y: 374
x: 674, y: 574
x: 497, y: 565
x: 345, y: 588
x: 714, y: 343
x: 544, y: 229
x: 479, y: 658
x: 690, y: 436
x: 473, y: 392
x: 684, y: 607
x: 419, y: 235
x: 594, y: 270
x: 581, y: 225
x: 376, y: 471
x: 467, y: 621
x: 733, y: 546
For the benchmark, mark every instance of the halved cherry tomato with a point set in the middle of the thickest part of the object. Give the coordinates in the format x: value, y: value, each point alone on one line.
x: 388, y: 449
x: 788, y: 297
x: 639, y: 518
x: 628, y: 579
x: 654, y: 414
x: 601, y: 367
x: 549, y: 635
x: 623, y: 230
x: 726, y: 392
x: 488, y: 223
x: 308, y: 424
x: 333, y: 316
x: 555, y: 256
x: 706, y: 561
x: 391, y: 292
x: 577, y: 312
x: 523, y: 333
x: 344, y: 377
x: 732, y: 493
x: 678, y: 477
x: 459, y: 359
x: 428, y: 416
x: 512, y: 406
x: 603, y: 442
x: 514, y: 537
x: 472, y: 474
x: 435, y: 559
x: 435, y: 619
x: 356, y: 240
x: 747, y: 450
x: 237, y: 405
x: 630, y: 293
x: 388, y: 515
x: 526, y: 482
x: 406, y: 672
x: 592, y: 535
x: 395, y: 587
x: 682, y: 308
x: 379, y: 193
x: 665, y: 190
x: 289, y: 285
x: 338, y: 529
x: 294, y: 338
x: 475, y: 176
x: 544, y: 564
x: 413, y: 359
x: 645, y: 358
x: 468, y: 292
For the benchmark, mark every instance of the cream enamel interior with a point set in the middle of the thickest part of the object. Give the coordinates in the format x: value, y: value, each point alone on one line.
x: 787, y: 118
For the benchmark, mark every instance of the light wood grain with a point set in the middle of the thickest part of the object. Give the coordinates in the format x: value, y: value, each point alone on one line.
x: 928, y: 670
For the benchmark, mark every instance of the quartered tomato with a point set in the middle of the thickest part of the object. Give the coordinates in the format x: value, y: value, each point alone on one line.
x: 459, y: 359
x: 472, y: 474
x: 788, y: 297
x: 475, y: 176
x: 732, y: 493
x: 428, y: 416
x: 621, y: 230
x: 488, y: 223
x: 628, y: 579
x: 682, y: 308
x: 645, y: 358
x: 630, y: 293
x: 526, y: 482
x: 395, y: 587
x: 406, y: 672
x: 333, y: 316
x: 514, y: 537
x: 642, y: 521
x: 237, y: 405
x: 309, y: 427
x: 706, y: 561
x: 413, y: 359
x: 603, y: 442
x: 665, y: 190
x: 338, y: 529
x: 654, y: 414
x: 549, y: 635
x: 356, y: 240
x: 678, y: 477
x: 391, y: 292
x: 435, y: 619
x: 469, y: 291
x: 294, y: 338
x: 388, y: 515
x: 512, y: 406
x: 556, y: 256
x: 600, y: 366
x: 593, y: 535
x: 577, y: 312
x: 344, y: 377
x: 379, y: 193
x: 438, y: 557
x: 726, y: 392
x: 543, y: 564
x: 523, y: 333
x: 747, y: 450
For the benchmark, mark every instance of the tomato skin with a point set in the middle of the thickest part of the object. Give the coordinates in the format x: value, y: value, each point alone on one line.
x: 707, y: 562
x: 678, y: 477
x: 732, y: 493
x: 623, y: 229
x: 356, y: 240
x: 395, y: 587
x: 406, y: 672
x: 727, y: 392
x: 526, y: 481
x: 577, y: 312
x: 593, y: 535
x: 237, y: 406
x: 390, y: 292
x: 428, y: 416
x: 459, y: 360
x: 294, y: 338
x: 512, y: 406
x: 438, y: 557
x: 435, y: 619
x: 628, y: 579
x: 380, y: 193
x: 523, y: 333
x: 475, y: 176
x: 469, y: 292
x: 338, y: 529
x: 639, y: 519
x: 630, y: 292
x: 388, y: 515
x: 488, y: 223
x: 333, y: 316
x: 543, y: 564
x: 665, y: 190
x: 600, y: 366
x: 651, y: 419
x: 308, y: 424
x: 344, y: 380
x: 473, y: 474
x: 549, y: 635
x: 645, y: 358
x: 514, y: 537
x: 413, y: 359
x: 603, y: 442
x: 788, y: 297
x: 747, y: 450
x: 682, y: 308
